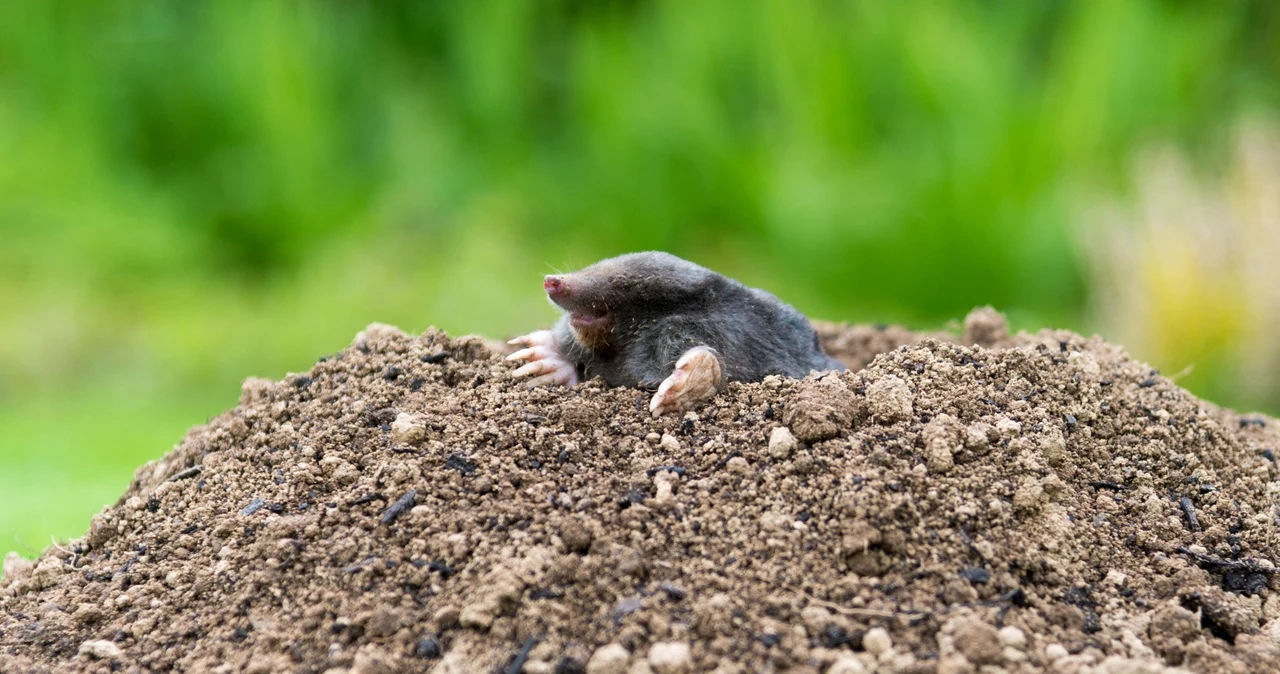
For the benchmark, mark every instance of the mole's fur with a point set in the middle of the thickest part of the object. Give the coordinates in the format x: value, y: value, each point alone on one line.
x: 630, y: 318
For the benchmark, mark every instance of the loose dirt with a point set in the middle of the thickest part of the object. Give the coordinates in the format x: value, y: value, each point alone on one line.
x: 1022, y: 504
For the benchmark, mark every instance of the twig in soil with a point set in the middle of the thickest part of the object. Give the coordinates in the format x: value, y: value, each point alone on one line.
x: 968, y: 542
x: 254, y: 506
x: 865, y: 612
x: 402, y: 504
x: 1245, y: 565
x: 1189, y: 510
x: 352, y: 568
x: 1104, y: 484
x: 518, y: 663
x: 189, y: 472
x: 367, y: 498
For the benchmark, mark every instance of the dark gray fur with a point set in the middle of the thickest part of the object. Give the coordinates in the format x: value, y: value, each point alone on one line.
x: 662, y: 306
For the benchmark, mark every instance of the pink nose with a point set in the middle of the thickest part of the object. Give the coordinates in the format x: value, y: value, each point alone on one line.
x: 554, y: 285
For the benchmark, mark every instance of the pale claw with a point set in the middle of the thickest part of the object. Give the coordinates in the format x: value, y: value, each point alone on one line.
x: 696, y: 378
x: 539, y: 338
x: 545, y: 363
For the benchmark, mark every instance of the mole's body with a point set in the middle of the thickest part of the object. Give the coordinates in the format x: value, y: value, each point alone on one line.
x: 659, y: 322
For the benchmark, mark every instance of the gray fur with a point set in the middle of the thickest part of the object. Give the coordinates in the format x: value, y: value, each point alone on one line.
x: 661, y: 306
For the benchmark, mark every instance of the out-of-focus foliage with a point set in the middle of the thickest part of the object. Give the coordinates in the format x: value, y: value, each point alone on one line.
x: 1188, y: 275
x: 192, y: 192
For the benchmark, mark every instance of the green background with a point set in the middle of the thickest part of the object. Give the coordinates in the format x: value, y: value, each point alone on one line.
x: 195, y: 192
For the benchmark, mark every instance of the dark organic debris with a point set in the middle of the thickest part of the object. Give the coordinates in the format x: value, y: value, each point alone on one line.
x: 400, y: 506
x: 518, y: 663
x: 1189, y: 511
x: 673, y: 591
x: 254, y: 506
x: 1238, y: 565
x: 188, y: 473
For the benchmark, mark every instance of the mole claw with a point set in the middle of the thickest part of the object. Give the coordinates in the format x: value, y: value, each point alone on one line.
x: 532, y: 367
x: 696, y: 378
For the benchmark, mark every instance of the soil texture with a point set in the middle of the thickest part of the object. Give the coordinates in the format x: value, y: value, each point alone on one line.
x: 983, y: 502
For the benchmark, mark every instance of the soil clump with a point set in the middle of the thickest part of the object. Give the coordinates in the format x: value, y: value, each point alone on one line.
x: 982, y: 502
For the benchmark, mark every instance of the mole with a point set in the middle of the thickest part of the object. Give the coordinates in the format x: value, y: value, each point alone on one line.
x: 661, y: 323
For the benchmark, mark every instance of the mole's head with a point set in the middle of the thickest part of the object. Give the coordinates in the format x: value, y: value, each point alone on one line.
x: 625, y: 291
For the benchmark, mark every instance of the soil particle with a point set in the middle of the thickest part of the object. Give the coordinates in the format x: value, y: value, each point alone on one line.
x: 609, y: 659
x: 670, y: 657
x: 1026, y: 503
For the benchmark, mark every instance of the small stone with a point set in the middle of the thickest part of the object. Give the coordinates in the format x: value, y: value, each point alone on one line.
x: 428, y: 647
x: 446, y: 617
x: 669, y: 443
x: 877, y: 640
x: 938, y: 457
x: 610, y: 659
x: 576, y: 536
x: 954, y: 664
x: 16, y: 567
x: 781, y: 443
x: 383, y: 623
x: 255, y: 389
x: 478, y: 615
x: 1115, y: 578
x: 979, y: 642
x: 653, y: 438
x: 1085, y: 362
x: 1008, y: 428
x: 978, y: 436
x: 942, y: 438
x: 407, y: 429
x: 101, y: 649
x: 822, y: 409
x: 985, y: 327
x: 846, y: 664
x: 890, y: 398
x: 377, y: 334
x: 738, y: 466
x: 1054, y: 652
x: 1012, y: 636
x: 1012, y: 654
x: 671, y: 657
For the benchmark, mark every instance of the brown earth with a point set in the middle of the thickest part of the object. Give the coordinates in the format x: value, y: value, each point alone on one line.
x: 1037, y: 503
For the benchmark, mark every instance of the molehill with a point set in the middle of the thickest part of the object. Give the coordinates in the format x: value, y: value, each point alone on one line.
x: 973, y: 503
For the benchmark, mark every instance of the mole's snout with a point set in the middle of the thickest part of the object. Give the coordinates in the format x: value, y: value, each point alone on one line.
x: 554, y: 285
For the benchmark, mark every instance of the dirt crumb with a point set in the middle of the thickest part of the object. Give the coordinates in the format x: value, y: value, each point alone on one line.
x: 985, y: 502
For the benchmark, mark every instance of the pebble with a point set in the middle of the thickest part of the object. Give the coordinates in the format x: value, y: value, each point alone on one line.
x: 877, y: 641
x: 1012, y: 636
x: 954, y: 664
x: 609, y: 659
x: 407, y: 429
x: 781, y: 443
x: 670, y: 657
x: 979, y: 642
x: 1054, y: 652
x: 890, y: 398
x: 101, y: 649
x: 669, y: 443
x: 846, y: 664
x: 16, y: 567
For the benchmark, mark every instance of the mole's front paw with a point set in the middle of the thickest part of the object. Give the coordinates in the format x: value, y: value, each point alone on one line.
x: 545, y: 362
x: 696, y: 378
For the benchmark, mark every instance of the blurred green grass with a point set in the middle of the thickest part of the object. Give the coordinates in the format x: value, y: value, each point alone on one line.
x: 195, y: 192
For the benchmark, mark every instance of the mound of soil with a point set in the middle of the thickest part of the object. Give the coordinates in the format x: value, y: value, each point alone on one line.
x: 1028, y: 503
